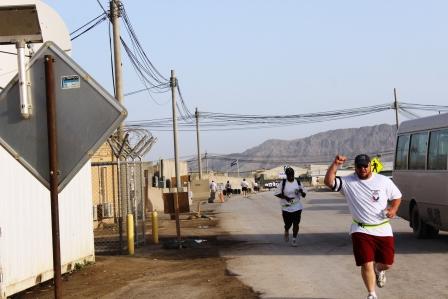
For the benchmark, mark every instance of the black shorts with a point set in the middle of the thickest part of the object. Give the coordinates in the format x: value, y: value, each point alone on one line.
x: 244, y: 189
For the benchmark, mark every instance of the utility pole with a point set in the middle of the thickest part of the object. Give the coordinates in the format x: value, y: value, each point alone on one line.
x: 115, y: 14
x: 238, y: 167
x: 396, y: 107
x: 206, y: 163
x: 196, y: 114
x: 173, y: 84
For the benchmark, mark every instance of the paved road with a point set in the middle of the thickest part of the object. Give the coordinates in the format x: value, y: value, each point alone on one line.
x: 322, y: 266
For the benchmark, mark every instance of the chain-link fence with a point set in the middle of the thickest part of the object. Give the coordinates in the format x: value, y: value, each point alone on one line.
x: 121, y: 192
x: 110, y: 214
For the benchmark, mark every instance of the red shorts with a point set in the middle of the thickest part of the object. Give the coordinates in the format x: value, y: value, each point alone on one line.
x: 368, y: 248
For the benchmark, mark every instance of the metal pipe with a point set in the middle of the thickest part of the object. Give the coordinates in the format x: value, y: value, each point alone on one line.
x: 143, y: 197
x: 130, y: 220
x: 25, y: 105
x: 132, y: 192
x: 54, y: 172
x: 155, y: 227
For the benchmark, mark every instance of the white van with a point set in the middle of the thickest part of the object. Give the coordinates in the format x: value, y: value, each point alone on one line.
x: 421, y: 173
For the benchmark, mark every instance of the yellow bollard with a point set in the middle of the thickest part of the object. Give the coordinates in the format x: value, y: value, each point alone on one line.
x: 155, y: 227
x: 130, y: 228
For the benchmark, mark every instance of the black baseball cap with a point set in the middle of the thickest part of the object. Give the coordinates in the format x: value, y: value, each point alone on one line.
x: 362, y: 160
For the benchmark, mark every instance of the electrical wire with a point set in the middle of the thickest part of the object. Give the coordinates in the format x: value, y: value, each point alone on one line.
x: 111, y: 56
x: 104, y: 17
x: 226, y: 122
x: 269, y: 161
x: 88, y: 23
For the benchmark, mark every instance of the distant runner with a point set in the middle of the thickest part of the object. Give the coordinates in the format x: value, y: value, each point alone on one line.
x: 213, y: 188
x: 244, y: 186
x: 228, y: 189
x: 368, y: 195
x: 290, y: 192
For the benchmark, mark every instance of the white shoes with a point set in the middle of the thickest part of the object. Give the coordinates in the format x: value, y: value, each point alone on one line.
x: 372, y: 297
x: 294, y: 242
x: 380, y: 277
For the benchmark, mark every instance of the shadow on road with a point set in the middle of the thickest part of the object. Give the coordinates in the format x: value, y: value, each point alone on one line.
x: 325, y: 244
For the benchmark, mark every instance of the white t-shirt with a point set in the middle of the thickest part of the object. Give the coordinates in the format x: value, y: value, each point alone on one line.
x: 291, y: 191
x: 244, y: 184
x: 367, y: 199
x: 213, y: 187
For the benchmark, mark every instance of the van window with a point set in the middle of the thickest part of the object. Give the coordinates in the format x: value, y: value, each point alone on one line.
x: 417, y: 150
x: 401, y: 158
x: 438, y: 150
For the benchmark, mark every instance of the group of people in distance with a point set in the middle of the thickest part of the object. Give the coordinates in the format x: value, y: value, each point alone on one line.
x: 228, y: 188
x: 373, y: 199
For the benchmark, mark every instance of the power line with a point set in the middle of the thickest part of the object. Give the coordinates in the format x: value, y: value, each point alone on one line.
x: 323, y: 159
x: 225, y: 122
x: 98, y: 19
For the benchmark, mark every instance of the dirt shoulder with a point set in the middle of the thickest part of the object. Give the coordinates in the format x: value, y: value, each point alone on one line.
x: 195, y: 271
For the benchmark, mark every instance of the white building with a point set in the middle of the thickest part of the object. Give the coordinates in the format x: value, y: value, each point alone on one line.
x: 26, y: 256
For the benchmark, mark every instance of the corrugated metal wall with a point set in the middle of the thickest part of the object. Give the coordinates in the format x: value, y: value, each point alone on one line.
x: 25, y: 222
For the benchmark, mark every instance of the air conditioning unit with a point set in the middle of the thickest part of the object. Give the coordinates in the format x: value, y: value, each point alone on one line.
x: 95, y: 213
x: 108, y: 210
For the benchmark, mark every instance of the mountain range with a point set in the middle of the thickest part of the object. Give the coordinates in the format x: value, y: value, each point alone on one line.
x: 318, y: 149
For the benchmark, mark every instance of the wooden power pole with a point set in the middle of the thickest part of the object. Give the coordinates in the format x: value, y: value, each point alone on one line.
x: 196, y: 114
x: 396, y: 107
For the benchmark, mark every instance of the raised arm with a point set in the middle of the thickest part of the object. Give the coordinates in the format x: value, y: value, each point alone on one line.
x: 331, y: 172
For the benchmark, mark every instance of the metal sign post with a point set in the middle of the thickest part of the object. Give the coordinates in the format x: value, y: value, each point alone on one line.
x: 54, y: 173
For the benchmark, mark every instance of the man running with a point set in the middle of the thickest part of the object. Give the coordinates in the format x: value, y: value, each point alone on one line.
x: 244, y: 186
x: 290, y: 191
x: 228, y: 189
x: 368, y: 195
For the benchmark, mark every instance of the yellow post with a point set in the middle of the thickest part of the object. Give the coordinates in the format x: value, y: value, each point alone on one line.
x: 130, y: 227
x: 155, y: 227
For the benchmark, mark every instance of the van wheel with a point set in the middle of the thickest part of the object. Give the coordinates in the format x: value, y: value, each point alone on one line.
x: 421, y: 229
x: 431, y: 231
x: 418, y: 226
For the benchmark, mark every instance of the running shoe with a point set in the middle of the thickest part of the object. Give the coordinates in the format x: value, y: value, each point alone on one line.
x: 294, y: 242
x: 380, y: 278
x: 286, y: 236
x: 372, y: 297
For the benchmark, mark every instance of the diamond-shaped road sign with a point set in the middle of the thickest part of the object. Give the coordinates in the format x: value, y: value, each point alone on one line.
x: 376, y: 165
x: 86, y: 114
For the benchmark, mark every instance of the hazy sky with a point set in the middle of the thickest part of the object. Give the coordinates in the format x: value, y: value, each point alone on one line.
x: 273, y: 57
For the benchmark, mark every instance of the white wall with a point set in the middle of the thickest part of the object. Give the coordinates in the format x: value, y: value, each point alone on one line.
x: 25, y: 222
